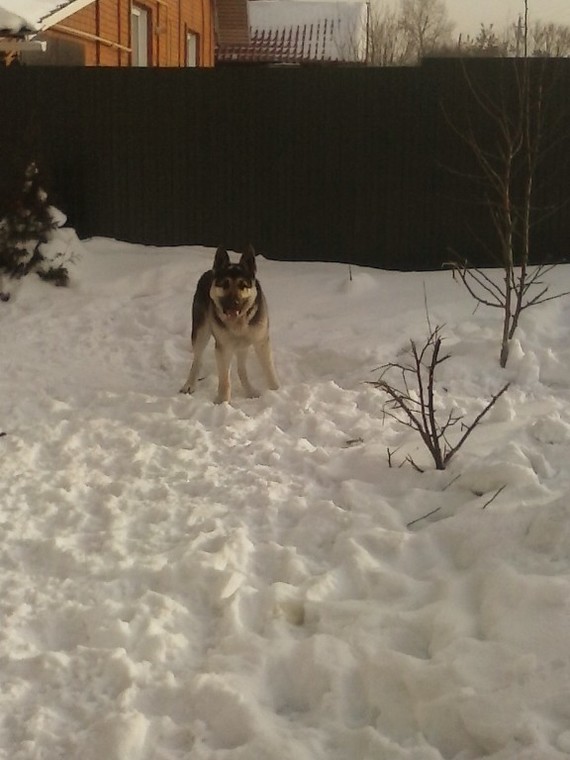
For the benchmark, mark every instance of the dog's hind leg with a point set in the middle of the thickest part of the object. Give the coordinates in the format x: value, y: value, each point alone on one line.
x: 265, y: 356
x: 199, y: 342
x: 242, y: 373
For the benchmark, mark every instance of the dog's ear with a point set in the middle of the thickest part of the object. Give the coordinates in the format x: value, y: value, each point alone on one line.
x: 221, y: 259
x: 247, y: 261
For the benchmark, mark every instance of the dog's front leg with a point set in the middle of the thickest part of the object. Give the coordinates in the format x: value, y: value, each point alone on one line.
x: 265, y: 356
x: 4, y: 295
x: 199, y: 343
x: 242, y: 373
x: 223, y: 361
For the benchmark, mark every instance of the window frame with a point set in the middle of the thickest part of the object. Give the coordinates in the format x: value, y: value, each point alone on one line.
x: 141, y: 18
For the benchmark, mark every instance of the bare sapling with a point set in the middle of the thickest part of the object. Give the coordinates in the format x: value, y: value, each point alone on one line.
x: 521, y: 134
x: 412, y: 401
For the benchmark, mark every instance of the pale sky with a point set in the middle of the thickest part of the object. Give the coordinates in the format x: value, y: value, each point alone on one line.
x: 468, y: 14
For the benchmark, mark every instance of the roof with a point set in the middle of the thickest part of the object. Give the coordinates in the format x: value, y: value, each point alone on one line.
x: 296, y: 31
x: 13, y: 25
x: 40, y: 14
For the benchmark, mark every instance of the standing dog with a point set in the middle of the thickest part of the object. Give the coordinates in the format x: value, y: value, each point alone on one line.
x: 229, y: 304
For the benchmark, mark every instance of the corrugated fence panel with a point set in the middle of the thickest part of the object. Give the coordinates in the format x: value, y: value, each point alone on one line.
x: 345, y: 164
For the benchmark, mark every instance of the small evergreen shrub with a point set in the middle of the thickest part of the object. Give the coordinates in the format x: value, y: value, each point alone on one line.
x: 27, y: 224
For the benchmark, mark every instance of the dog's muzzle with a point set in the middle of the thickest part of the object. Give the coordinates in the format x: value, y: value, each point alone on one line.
x: 231, y: 308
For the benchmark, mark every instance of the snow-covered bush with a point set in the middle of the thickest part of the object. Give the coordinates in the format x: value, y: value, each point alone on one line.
x: 29, y: 241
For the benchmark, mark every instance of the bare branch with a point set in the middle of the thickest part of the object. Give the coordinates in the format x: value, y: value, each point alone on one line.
x: 416, y: 467
x: 417, y: 410
x: 423, y: 517
x: 492, y: 499
x: 467, y: 275
x: 476, y: 421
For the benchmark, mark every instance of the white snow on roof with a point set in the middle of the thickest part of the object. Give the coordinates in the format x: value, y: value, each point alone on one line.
x: 33, y: 11
x: 348, y: 20
x: 12, y: 22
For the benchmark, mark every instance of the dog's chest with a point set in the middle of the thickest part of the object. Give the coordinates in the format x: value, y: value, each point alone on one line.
x: 238, y: 331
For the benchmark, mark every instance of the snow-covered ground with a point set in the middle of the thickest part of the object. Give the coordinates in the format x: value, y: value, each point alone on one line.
x: 253, y: 581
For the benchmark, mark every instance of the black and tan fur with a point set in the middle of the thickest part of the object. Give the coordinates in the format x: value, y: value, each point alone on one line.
x: 229, y: 304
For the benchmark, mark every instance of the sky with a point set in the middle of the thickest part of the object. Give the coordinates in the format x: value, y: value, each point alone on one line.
x: 468, y: 15
x: 271, y: 578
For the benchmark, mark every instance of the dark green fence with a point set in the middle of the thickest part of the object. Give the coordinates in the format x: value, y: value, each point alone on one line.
x: 335, y: 164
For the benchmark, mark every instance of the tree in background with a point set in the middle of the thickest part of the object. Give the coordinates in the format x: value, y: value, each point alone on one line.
x: 540, y: 40
x: 487, y: 44
x: 403, y: 36
x: 388, y: 44
x: 27, y: 222
x: 549, y: 40
x: 426, y: 24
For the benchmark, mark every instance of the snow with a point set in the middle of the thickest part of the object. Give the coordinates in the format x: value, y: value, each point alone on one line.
x: 34, y: 11
x: 12, y: 22
x: 185, y: 580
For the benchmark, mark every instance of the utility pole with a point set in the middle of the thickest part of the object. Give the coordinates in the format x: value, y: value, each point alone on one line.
x: 526, y: 28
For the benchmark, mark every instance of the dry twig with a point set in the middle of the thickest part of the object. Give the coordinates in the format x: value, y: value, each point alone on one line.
x: 416, y: 408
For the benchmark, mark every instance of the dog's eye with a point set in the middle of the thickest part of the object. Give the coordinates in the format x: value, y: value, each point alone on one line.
x: 242, y: 285
x: 225, y: 284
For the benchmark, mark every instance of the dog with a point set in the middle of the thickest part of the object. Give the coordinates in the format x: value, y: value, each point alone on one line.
x: 229, y: 304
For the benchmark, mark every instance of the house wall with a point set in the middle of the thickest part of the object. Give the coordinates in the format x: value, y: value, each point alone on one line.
x: 104, y: 29
x: 233, y: 22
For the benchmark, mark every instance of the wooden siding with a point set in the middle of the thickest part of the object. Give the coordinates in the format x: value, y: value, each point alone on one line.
x: 104, y: 29
x: 232, y: 22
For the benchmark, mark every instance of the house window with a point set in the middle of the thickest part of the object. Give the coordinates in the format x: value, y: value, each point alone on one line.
x: 140, y: 21
x: 191, y: 49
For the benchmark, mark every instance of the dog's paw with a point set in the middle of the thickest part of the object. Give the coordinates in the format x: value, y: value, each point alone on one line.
x: 187, y: 388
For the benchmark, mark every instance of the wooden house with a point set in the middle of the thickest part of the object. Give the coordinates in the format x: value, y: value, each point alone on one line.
x: 156, y: 33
